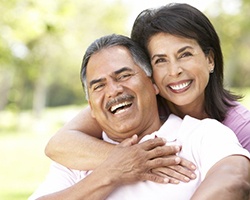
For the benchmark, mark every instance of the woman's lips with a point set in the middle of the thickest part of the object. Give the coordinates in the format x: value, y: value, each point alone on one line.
x: 180, y: 86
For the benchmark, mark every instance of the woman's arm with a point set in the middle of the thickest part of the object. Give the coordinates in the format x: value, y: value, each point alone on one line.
x: 227, y: 179
x: 118, y: 169
x: 77, y: 144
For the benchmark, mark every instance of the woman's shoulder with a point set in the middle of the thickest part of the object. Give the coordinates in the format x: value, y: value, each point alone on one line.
x: 237, y: 112
x: 238, y: 120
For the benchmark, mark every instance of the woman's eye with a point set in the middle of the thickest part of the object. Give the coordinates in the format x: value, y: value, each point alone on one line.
x: 185, y: 54
x: 160, y: 60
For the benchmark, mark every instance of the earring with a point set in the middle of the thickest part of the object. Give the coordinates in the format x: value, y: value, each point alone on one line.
x: 211, y: 71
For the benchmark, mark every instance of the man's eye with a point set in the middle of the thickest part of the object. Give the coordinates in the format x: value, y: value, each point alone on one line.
x: 98, y: 87
x: 124, y: 77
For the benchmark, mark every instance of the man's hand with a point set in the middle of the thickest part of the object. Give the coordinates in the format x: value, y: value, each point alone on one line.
x: 131, y: 162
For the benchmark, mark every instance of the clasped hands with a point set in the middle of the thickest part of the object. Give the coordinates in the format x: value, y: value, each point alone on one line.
x: 151, y: 160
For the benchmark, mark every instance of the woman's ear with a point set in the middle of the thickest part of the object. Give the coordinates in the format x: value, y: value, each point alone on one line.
x: 210, y: 58
x: 156, y: 89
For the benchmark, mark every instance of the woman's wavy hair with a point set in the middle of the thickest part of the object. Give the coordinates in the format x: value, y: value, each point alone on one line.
x: 186, y: 21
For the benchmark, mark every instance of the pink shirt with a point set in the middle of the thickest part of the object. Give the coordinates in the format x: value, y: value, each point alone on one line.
x: 238, y: 120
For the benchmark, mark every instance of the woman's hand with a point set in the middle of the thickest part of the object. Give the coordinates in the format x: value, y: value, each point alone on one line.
x: 184, y: 172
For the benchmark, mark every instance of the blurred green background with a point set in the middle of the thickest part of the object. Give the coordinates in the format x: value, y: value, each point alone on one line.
x: 41, y: 48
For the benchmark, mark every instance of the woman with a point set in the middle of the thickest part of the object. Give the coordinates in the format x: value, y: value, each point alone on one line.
x: 188, y: 68
x: 199, y: 97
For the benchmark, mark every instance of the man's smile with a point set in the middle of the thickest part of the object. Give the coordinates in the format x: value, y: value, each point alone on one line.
x: 119, y: 104
x: 120, y: 107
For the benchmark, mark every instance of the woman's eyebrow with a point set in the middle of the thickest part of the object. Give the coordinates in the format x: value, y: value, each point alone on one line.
x: 179, y: 51
x: 158, y: 55
x: 184, y: 48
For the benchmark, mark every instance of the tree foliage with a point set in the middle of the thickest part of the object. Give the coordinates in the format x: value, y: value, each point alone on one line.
x: 234, y: 30
x: 42, y: 44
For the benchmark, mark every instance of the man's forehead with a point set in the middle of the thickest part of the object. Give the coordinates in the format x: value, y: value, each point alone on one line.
x: 110, y: 60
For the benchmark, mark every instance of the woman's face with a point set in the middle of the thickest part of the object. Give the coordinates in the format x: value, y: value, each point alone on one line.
x: 180, y: 68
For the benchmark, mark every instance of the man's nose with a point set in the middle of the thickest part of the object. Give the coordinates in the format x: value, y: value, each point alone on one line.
x: 113, y: 89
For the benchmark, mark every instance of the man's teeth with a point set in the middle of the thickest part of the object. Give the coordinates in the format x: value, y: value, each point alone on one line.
x: 115, y: 107
x: 180, y: 86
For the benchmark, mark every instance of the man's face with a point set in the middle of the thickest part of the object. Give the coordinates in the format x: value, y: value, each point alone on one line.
x: 121, y: 96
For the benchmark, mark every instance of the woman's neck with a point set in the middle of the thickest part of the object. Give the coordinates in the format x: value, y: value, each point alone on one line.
x: 197, y: 111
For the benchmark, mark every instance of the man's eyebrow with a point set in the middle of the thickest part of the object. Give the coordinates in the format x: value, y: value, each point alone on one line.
x: 122, y: 70
x: 91, y: 83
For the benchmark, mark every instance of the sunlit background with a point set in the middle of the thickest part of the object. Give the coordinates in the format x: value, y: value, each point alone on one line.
x: 41, y: 48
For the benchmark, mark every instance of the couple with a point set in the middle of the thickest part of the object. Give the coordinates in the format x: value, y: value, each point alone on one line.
x: 121, y: 80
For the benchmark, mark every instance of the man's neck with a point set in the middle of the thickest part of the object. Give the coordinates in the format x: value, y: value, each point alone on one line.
x: 147, y: 128
x: 154, y: 126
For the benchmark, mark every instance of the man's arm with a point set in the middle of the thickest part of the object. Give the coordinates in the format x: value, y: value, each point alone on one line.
x: 118, y: 169
x: 96, y: 186
x: 228, y: 179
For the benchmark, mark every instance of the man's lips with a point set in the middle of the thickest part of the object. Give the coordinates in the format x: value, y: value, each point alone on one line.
x: 119, y: 103
x: 180, y: 86
x: 125, y: 104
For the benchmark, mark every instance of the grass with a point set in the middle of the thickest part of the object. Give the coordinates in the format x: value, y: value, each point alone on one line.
x: 22, y: 141
x: 23, y: 164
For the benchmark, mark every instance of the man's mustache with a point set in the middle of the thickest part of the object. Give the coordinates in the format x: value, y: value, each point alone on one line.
x: 119, y: 99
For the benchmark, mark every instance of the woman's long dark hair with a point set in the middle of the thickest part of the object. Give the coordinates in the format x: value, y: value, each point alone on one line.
x: 186, y: 21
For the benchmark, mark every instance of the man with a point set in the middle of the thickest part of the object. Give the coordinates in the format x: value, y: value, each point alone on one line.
x: 122, y: 98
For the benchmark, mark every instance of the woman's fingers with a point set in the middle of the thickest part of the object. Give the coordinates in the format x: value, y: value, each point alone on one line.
x: 151, y: 160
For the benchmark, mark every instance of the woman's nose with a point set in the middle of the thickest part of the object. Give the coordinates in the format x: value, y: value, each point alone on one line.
x: 174, y: 69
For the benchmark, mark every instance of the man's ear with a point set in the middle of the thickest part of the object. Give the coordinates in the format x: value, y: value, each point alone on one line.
x: 90, y: 105
x: 156, y: 89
